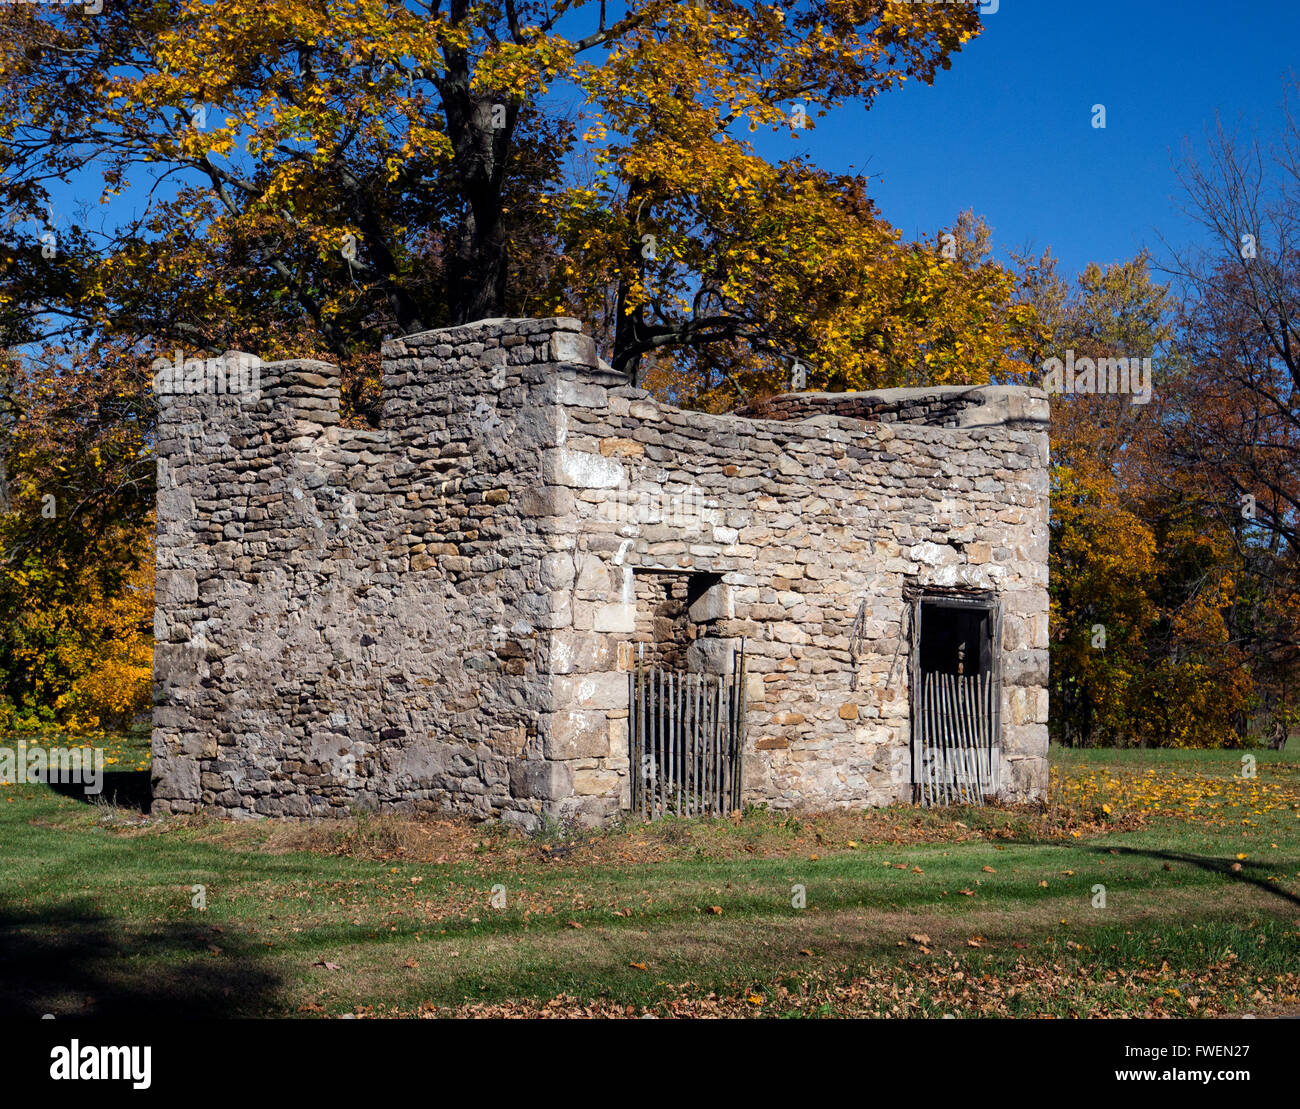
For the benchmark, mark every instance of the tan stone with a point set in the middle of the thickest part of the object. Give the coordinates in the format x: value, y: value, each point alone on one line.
x: 621, y: 448
x: 595, y: 783
x: 772, y: 743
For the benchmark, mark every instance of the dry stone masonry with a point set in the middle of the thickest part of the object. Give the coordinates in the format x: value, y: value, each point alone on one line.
x: 441, y: 614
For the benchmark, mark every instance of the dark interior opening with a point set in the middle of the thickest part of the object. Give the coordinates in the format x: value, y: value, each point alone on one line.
x: 956, y: 639
x: 664, y: 628
x: 956, y: 717
x: 698, y: 584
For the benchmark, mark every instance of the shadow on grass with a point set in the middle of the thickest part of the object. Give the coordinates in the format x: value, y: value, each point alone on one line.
x: 130, y: 789
x: 73, y: 962
x: 1202, y: 862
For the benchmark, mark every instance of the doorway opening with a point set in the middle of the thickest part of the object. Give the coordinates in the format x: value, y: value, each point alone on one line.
x: 686, y: 697
x: 956, y: 710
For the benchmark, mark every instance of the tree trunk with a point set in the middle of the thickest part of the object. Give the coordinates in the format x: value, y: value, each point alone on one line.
x: 480, y: 125
x: 476, y: 272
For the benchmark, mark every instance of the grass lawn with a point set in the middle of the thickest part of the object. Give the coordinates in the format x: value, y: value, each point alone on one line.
x: 966, y: 912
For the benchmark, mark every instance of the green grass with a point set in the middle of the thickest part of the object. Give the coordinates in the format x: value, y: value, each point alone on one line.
x: 1227, y: 761
x: 977, y: 911
x: 125, y: 749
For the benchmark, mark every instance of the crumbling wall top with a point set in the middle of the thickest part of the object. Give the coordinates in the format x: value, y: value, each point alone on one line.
x: 952, y: 406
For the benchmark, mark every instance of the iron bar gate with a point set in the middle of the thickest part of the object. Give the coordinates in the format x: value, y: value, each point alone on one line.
x: 955, y: 722
x: 686, y: 738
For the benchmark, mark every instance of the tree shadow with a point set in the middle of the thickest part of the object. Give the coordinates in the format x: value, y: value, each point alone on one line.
x: 1223, y: 867
x: 74, y: 962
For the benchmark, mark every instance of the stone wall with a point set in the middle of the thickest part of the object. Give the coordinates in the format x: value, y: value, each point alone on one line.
x: 442, y: 613
x: 360, y: 617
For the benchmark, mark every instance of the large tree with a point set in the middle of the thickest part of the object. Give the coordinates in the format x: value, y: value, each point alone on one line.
x: 1242, y: 318
x: 369, y: 165
x: 1237, y: 437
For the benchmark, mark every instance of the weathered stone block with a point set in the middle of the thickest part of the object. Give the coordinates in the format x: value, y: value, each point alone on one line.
x: 573, y: 346
x: 175, y: 587
x: 580, y: 734
x: 581, y: 470
x: 175, y: 777
x: 590, y: 691
x: 716, y: 603
x: 615, y: 618
x: 544, y: 780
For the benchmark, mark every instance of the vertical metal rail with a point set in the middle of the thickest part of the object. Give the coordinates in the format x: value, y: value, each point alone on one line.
x: 656, y: 724
x: 632, y: 762
x: 718, y: 745
x: 926, y: 767
x: 677, y: 744
x: 742, y: 696
x: 706, y: 743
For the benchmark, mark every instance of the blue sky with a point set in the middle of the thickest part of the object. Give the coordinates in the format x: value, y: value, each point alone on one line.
x: 1008, y: 129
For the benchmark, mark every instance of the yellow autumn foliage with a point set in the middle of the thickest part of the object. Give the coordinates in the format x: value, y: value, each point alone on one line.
x: 81, y: 658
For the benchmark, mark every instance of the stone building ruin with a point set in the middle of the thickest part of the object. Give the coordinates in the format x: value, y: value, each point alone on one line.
x: 442, y: 613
